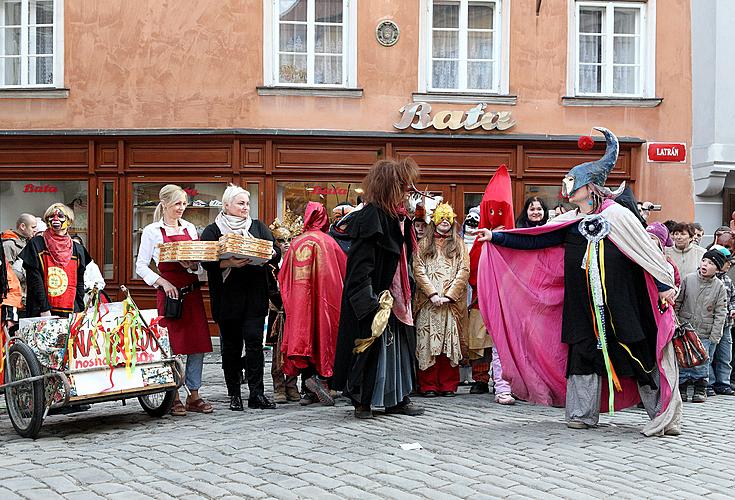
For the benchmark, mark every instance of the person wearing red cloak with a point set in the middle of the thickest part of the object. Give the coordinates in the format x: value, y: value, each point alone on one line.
x: 311, y: 281
x: 496, y: 212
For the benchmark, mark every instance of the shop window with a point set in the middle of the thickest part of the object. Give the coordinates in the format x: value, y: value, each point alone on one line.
x: 205, y: 202
x: 310, y: 43
x: 550, y: 194
x: 35, y: 196
x: 109, y: 230
x: 31, y: 43
x: 295, y: 195
x: 462, y: 46
x: 613, y: 49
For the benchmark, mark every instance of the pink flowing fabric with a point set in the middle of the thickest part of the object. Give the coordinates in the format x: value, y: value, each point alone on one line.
x: 521, y: 296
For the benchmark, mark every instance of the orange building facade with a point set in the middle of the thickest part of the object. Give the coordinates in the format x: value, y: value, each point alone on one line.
x: 295, y: 99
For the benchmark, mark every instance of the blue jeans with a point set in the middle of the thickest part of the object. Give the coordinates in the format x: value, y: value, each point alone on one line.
x: 701, y: 372
x: 194, y: 367
x: 721, y: 366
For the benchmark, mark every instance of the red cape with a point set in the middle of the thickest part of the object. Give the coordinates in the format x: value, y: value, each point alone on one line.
x: 311, y: 279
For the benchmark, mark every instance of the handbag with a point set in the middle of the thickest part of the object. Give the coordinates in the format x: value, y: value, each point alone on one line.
x: 690, y: 351
x: 174, y: 308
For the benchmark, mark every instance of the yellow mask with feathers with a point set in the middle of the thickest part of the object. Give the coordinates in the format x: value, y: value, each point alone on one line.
x: 443, y: 212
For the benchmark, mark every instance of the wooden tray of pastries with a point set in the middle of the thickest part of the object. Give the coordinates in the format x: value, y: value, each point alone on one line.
x: 241, y: 247
x: 176, y: 251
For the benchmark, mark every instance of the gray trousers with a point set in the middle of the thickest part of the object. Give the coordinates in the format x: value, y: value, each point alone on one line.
x: 583, y: 398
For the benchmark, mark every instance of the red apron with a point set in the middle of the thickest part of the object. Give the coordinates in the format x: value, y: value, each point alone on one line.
x: 190, y: 333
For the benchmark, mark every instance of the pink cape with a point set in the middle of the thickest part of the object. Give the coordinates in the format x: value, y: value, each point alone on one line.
x: 521, y: 296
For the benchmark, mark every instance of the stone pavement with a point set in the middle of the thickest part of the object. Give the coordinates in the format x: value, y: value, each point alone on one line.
x: 471, y: 448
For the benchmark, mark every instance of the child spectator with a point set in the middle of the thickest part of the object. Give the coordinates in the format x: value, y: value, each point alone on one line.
x: 702, y: 302
x: 721, y: 364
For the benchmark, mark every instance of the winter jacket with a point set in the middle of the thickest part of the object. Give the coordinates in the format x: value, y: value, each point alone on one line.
x: 687, y: 260
x: 13, y: 244
x: 702, y: 302
x: 730, y: 288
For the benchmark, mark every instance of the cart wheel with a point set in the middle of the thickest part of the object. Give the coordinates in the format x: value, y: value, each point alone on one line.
x: 158, y: 404
x: 26, y: 402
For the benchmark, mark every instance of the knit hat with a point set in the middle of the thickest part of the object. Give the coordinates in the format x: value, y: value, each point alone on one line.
x: 662, y: 233
x: 717, y: 257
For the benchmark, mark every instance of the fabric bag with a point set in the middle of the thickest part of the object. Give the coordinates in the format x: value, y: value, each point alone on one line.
x: 690, y: 351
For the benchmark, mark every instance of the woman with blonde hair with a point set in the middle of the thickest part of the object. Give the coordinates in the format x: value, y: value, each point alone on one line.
x: 189, y: 334
x: 239, y: 294
x: 381, y: 372
x: 54, y: 267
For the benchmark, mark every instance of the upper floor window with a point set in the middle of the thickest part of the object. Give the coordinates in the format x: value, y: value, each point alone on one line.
x: 311, y: 43
x: 612, y: 56
x: 463, y: 46
x: 31, y: 43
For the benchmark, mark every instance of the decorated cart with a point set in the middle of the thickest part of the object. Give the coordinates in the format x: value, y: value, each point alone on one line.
x: 109, y: 352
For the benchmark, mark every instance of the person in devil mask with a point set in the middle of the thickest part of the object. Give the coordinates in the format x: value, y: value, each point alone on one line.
x: 54, y: 266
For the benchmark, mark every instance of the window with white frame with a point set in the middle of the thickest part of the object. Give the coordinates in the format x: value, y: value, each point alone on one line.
x: 312, y: 43
x: 463, y: 45
x: 31, y: 43
x: 611, y: 53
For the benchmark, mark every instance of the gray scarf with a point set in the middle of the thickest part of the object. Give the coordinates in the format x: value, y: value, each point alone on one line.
x: 229, y: 224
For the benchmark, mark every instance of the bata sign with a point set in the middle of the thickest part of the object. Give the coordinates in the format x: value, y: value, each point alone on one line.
x: 669, y: 152
x: 417, y: 115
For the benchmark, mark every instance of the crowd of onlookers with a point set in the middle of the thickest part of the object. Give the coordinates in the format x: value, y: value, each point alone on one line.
x: 449, y: 328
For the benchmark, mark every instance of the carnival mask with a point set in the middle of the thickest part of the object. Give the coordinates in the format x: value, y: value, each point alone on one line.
x: 444, y: 212
x: 594, y: 172
x: 58, y: 220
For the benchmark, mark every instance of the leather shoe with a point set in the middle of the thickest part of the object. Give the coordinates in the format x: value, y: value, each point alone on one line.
x: 363, y: 412
x: 724, y: 391
x: 448, y: 394
x: 480, y: 388
x: 428, y: 394
x: 261, y: 402
x: 406, y: 407
x: 235, y: 403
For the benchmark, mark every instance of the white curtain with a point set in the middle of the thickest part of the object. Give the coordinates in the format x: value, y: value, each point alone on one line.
x: 445, y: 45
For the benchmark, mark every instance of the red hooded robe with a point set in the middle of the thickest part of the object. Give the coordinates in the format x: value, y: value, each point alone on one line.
x: 311, y: 280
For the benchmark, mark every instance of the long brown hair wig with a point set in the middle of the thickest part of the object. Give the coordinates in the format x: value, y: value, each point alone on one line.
x: 452, y: 248
x: 387, y: 181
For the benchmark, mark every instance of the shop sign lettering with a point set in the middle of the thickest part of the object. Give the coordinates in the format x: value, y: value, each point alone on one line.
x: 325, y: 191
x: 40, y: 188
x: 417, y: 115
x: 670, y: 152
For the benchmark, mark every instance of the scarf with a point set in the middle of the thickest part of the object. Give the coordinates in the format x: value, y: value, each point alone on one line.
x: 400, y: 289
x: 229, y: 224
x: 59, y: 246
x: 4, y: 286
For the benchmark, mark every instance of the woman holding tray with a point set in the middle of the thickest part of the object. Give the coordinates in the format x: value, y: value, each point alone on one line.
x: 188, y: 334
x: 239, y: 293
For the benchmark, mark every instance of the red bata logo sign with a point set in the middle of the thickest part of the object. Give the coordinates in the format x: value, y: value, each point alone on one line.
x: 669, y: 152
x: 40, y: 188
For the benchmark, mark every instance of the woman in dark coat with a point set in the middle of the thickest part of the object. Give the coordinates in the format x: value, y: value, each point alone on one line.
x: 379, y: 260
x: 239, y: 295
x: 534, y: 213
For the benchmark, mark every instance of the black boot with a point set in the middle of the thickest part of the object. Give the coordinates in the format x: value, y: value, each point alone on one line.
x: 700, y: 393
x: 236, y: 403
x: 480, y: 388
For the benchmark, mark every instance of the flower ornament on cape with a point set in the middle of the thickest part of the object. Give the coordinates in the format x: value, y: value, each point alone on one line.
x: 594, y: 227
x: 444, y: 212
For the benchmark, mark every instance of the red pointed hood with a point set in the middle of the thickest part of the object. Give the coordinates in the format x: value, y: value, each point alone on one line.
x: 315, y: 217
x: 496, y: 208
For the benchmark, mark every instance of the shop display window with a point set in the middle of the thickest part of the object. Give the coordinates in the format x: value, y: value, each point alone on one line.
x: 108, y: 223
x: 205, y: 202
x: 35, y: 196
x: 295, y: 195
x: 550, y: 194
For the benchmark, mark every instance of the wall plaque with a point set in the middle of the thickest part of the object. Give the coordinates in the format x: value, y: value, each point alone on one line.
x: 387, y: 33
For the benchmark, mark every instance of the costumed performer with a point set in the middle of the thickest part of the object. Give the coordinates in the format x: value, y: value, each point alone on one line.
x: 189, y: 334
x: 496, y: 212
x: 311, y: 280
x: 285, y: 388
x: 54, y: 267
x: 609, y: 318
x: 374, y: 363
x: 441, y: 268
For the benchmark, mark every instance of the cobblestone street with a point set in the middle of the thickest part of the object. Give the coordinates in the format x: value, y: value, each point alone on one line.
x: 472, y: 448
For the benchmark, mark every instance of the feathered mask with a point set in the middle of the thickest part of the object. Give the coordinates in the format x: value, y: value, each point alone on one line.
x: 443, y: 212
x: 291, y: 226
